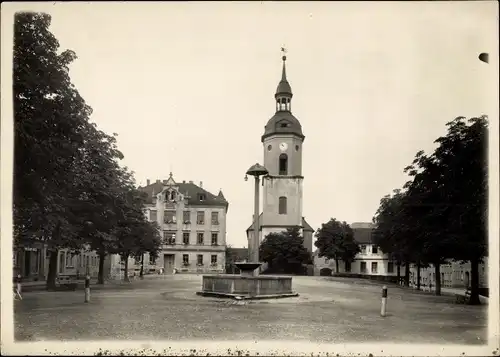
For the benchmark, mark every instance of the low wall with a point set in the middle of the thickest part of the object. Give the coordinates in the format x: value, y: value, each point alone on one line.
x: 252, y: 286
x: 389, y: 279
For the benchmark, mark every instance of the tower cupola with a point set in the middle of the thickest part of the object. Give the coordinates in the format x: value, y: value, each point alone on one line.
x: 283, y: 122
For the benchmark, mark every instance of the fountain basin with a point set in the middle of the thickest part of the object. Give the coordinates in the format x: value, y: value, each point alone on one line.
x: 247, y: 287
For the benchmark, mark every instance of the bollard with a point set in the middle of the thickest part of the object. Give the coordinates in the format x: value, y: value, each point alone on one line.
x: 384, y: 301
x: 87, y: 288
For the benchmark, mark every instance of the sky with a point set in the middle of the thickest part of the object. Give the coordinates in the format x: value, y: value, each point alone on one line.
x: 188, y: 87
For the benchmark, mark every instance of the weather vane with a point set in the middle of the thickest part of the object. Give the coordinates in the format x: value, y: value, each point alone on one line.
x: 283, y: 50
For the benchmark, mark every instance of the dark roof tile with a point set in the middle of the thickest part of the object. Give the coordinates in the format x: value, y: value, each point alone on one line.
x: 193, y: 191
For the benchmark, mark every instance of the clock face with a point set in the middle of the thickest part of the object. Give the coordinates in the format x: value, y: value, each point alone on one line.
x: 283, y: 146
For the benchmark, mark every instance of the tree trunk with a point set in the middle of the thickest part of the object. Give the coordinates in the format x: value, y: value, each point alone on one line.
x: 125, y: 273
x: 336, y: 266
x: 437, y: 271
x: 398, y: 271
x: 407, y: 273
x: 474, y: 282
x: 52, y: 274
x: 141, y: 274
x: 418, y: 275
x: 100, y: 276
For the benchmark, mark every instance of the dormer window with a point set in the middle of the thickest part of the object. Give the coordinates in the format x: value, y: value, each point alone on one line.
x: 284, y: 124
x: 202, y: 197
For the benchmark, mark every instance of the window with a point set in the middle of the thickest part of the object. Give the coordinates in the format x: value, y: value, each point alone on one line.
x: 173, y: 195
x: 363, y: 249
x: 374, y: 267
x: 137, y: 260
x: 199, y: 259
x: 200, y: 217
x: 185, y: 259
x: 185, y: 237
x: 374, y: 249
x: 69, y: 260
x: 200, y: 238
x: 213, y: 259
x: 152, y: 259
x: 62, y: 261
x: 153, y: 216
x: 169, y: 217
x: 348, y: 267
x: 296, y: 148
x: 282, y: 205
x: 327, y: 260
x: 269, y: 147
x: 390, y: 267
x: 201, y: 197
x: 168, y: 237
x: 363, y: 267
x: 215, y: 218
x: 283, y: 164
x: 214, y: 238
x: 186, y: 217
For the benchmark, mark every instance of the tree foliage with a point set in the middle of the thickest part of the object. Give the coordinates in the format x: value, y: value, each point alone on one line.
x: 69, y: 189
x: 441, y: 214
x: 285, y: 252
x: 335, y: 240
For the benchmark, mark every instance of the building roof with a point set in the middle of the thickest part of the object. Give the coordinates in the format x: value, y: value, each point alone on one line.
x: 191, y: 190
x: 284, y: 88
x: 305, y: 226
x: 283, y: 122
x: 363, y: 235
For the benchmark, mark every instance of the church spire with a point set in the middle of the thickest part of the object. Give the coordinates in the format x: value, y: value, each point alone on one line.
x: 283, y: 94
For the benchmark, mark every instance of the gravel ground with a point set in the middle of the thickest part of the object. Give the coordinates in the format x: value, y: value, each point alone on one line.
x: 327, y: 310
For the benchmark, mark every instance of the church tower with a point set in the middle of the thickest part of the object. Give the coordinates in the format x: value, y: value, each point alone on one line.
x: 282, y: 193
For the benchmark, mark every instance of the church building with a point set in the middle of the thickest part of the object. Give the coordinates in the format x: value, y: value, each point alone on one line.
x: 282, y: 188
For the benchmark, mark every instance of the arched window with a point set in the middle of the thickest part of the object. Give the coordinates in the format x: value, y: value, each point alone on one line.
x: 283, y: 164
x: 282, y: 205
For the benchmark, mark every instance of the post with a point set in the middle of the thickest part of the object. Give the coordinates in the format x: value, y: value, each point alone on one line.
x: 254, y: 254
x: 87, y: 288
x: 384, y: 301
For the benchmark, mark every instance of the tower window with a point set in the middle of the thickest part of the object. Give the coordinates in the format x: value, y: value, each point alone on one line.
x: 283, y: 164
x: 296, y: 148
x: 282, y: 205
x: 269, y: 147
x: 284, y: 125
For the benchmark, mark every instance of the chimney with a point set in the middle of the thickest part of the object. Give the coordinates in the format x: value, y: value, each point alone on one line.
x: 201, y: 184
x: 148, y: 182
x: 164, y: 182
x: 158, y: 181
x: 190, y: 181
x: 183, y: 181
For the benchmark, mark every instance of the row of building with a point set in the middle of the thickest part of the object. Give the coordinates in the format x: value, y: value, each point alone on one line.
x: 371, y: 262
x: 193, y: 227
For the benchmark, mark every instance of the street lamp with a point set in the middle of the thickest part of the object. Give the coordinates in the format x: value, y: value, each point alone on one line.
x: 256, y: 171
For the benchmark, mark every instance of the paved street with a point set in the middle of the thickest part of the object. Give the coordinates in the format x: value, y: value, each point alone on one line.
x: 327, y: 310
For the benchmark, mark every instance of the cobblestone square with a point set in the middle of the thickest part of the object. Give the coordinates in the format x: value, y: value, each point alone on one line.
x: 327, y: 310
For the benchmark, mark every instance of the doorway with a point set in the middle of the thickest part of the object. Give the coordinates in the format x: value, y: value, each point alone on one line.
x: 168, y: 263
x: 27, y: 263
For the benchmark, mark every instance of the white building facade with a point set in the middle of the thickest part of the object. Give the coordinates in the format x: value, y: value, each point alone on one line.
x: 193, y: 227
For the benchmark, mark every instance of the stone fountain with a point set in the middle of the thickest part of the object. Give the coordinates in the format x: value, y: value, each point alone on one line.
x: 249, y: 284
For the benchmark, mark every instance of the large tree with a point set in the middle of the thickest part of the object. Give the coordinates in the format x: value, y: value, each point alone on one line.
x: 335, y: 240
x: 50, y: 124
x: 285, y: 252
x: 442, y: 213
x: 452, y: 184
